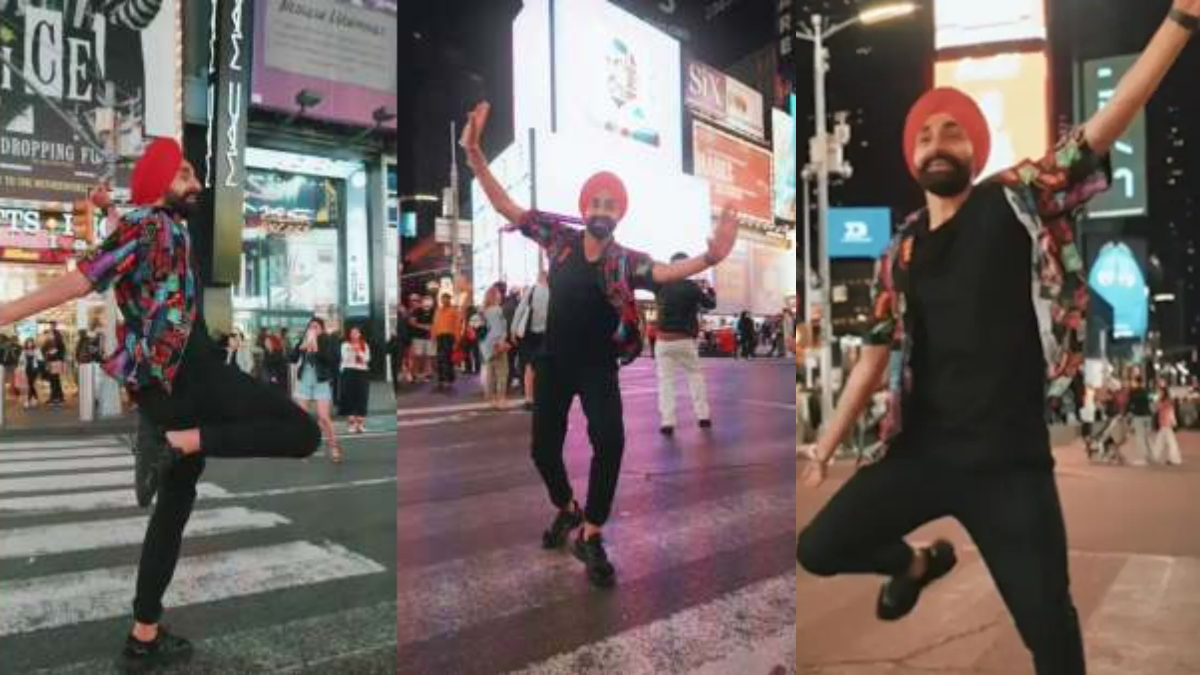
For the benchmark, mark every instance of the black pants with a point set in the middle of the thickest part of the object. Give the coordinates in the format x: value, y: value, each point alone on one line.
x: 445, y: 359
x: 599, y: 392
x: 356, y: 391
x: 56, y: 390
x: 238, y: 417
x: 1013, y: 516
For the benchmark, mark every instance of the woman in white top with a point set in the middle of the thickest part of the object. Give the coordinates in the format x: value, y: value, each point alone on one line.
x: 355, y: 390
x: 494, y: 347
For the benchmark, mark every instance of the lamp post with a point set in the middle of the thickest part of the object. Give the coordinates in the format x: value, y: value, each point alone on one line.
x: 818, y: 33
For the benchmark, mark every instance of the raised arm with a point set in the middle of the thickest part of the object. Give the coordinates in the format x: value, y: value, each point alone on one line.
x: 478, y: 162
x: 1143, y: 79
x: 720, y: 245
x: 63, y: 289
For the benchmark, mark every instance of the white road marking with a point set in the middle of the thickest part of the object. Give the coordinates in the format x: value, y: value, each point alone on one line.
x: 47, y: 465
x: 65, y: 481
x: 86, y: 501
x: 64, y: 453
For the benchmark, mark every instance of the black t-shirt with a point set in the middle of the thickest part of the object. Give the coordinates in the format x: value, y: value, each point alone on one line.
x: 1139, y: 402
x: 424, y: 317
x: 679, y: 302
x: 581, y: 321
x: 978, y: 368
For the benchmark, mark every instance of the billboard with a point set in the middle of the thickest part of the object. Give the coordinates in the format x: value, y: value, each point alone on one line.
x: 723, y: 100
x: 966, y: 23
x: 1011, y: 89
x: 291, y: 197
x: 1127, y: 197
x: 345, y: 51
x: 617, y: 82
x: 783, y: 130
x: 73, y: 58
x: 497, y: 256
x: 739, y: 173
x: 859, y: 232
x: 1117, y: 278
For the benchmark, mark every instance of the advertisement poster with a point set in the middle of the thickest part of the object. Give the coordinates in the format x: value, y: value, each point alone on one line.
x: 308, y: 279
x: 965, y: 23
x: 1128, y: 194
x: 276, y: 196
x: 617, y: 80
x: 723, y: 100
x: 1011, y: 91
x: 1116, y: 277
x: 738, y: 172
x: 859, y: 232
x: 341, y: 50
x: 497, y: 256
x: 75, y: 59
x: 783, y: 128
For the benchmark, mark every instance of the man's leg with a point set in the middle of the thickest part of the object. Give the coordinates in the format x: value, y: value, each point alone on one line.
x: 689, y: 356
x: 600, y: 396
x: 664, y: 364
x: 1016, y: 520
x: 555, y: 390
x: 164, y: 536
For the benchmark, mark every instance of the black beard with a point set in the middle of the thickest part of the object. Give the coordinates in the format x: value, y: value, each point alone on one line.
x: 183, y: 207
x: 945, y: 184
x: 601, y: 227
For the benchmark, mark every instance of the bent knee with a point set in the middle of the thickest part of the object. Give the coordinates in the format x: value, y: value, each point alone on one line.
x: 813, y: 557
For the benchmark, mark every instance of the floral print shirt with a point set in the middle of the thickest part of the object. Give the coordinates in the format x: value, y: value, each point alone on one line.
x: 1046, y: 195
x: 146, y: 261
x: 622, y: 271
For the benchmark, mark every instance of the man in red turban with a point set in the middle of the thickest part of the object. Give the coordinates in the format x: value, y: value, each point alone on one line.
x: 979, y: 302
x: 164, y: 358
x: 590, y: 328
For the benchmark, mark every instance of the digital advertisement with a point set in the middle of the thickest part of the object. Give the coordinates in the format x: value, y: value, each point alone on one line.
x: 1116, y: 276
x: 1128, y: 194
x: 291, y: 197
x: 783, y: 128
x: 859, y: 232
x: 728, y: 103
x: 738, y: 173
x: 497, y: 255
x: 1011, y: 91
x: 966, y: 23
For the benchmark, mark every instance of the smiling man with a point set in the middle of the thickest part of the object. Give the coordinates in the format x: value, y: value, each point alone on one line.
x: 979, y: 307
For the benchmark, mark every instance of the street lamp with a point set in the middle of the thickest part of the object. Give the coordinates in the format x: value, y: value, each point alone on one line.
x: 818, y: 34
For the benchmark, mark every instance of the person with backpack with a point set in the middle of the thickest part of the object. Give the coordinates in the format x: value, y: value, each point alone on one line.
x: 977, y: 320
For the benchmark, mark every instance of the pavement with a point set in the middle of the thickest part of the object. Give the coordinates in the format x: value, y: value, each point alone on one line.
x: 1135, y: 570
x: 702, y: 537
x: 288, y: 566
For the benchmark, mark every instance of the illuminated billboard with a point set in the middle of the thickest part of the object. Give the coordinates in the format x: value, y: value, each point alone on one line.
x: 783, y: 128
x: 1116, y: 277
x: 739, y: 173
x: 965, y: 23
x: 719, y: 98
x: 1011, y: 91
x: 1129, y: 190
x: 497, y: 256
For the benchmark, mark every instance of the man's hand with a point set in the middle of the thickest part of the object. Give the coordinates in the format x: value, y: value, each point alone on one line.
x: 724, y: 236
x: 473, y: 131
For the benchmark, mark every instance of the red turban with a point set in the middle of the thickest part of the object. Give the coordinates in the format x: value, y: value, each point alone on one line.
x: 963, y: 109
x: 155, y: 171
x: 604, y: 182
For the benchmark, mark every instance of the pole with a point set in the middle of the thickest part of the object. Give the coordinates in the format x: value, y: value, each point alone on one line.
x: 454, y: 265
x: 820, y: 67
x: 807, y: 272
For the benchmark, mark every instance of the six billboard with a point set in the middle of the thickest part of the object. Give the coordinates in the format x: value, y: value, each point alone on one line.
x: 715, y: 96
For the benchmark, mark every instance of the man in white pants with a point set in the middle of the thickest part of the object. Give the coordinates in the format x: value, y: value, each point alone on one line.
x: 679, y: 304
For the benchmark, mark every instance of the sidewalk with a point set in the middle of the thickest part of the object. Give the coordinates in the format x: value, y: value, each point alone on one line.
x: 47, y: 422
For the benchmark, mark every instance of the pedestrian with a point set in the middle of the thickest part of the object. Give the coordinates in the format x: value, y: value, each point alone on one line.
x: 195, y: 408
x: 356, y: 386
x: 494, y: 347
x: 1141, y: 415
x: 315, y: 373
x: 591, y: 327
x: 532, y: 335
x: 964, y: 329
x: 447, y: 326
x: 33, y: 364
x: 275, y: 369
x: 55, y: 350
x: 420, y: 323
x: 1167, y: 422
x: 745, y: 335
x: 679, y: 305
x: 395, y: 354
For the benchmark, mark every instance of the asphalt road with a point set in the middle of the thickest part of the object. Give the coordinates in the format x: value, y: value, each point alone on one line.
x: 702, y: 537
x: 287, y: 566
x: 1135, y: 570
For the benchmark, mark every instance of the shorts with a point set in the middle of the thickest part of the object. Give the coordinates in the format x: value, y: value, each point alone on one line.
x: 424, y: 347
x: 309, y: 389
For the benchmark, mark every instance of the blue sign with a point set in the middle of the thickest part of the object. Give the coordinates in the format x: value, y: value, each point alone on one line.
x: 859, y: 232
x: 1116, y: 277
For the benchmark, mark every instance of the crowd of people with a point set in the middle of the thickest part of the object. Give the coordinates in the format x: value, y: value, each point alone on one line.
x: 52, y: 359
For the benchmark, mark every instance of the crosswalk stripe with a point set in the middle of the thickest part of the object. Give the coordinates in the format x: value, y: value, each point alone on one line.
x: 63, y: 453
x: 47, y: 465
x: 702, y: 639
x: 101, y: 534
x: 87, y: 501
x: 61, y: 443
x: 65, y: 481
x: 72, y: 598
x: 451, y: 595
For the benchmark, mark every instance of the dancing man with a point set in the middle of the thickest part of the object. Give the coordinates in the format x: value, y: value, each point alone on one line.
x: 978, y: 311
x: 679, y: 304
x: 592, y: 323
x: 166, y: 360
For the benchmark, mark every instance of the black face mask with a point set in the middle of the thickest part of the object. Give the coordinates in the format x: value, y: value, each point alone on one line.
x: 945, y: 183
x: 601, y: 227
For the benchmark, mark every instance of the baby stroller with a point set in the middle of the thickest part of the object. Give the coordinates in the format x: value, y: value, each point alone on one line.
x: 1108, y: 434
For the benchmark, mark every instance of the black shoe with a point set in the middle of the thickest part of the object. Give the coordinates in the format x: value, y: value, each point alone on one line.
x: 563, y: 524
x: 667, y: 431
x: 899, y: 595
x: 592, y: 554
x: 705, y: 424
x: 165, y: 650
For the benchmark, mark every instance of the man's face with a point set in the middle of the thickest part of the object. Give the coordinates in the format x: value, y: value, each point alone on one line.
x: 602, y: 203
x: 184, y: 194
x: 943, y: 156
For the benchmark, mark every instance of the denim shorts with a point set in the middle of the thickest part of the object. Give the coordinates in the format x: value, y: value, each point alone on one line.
x: 309, y: 389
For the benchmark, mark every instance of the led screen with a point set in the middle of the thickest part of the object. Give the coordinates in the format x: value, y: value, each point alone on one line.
x: 783, y: 128
x: 962, y: 23
x: 497, y: 256
x: 1011, y: 90
x: 738, y: 173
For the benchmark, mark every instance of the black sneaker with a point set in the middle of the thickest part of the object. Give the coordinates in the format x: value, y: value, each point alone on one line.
x: 705, y: 424
x: 592, y: 554
x: 165, y: 650
x: 899, y: 595
x: 667, y: 431
x: 563, y: 524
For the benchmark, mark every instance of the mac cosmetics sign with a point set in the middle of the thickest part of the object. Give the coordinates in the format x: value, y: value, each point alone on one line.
x: 1116, y: 277
x: 228, y: 101
x: 859, y: 232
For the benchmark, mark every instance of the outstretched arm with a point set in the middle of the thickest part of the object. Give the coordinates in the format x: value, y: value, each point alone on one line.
x: 720, y: 245
x: 1143, y: 79
x: 63, y: 289
x: 496, y: 194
